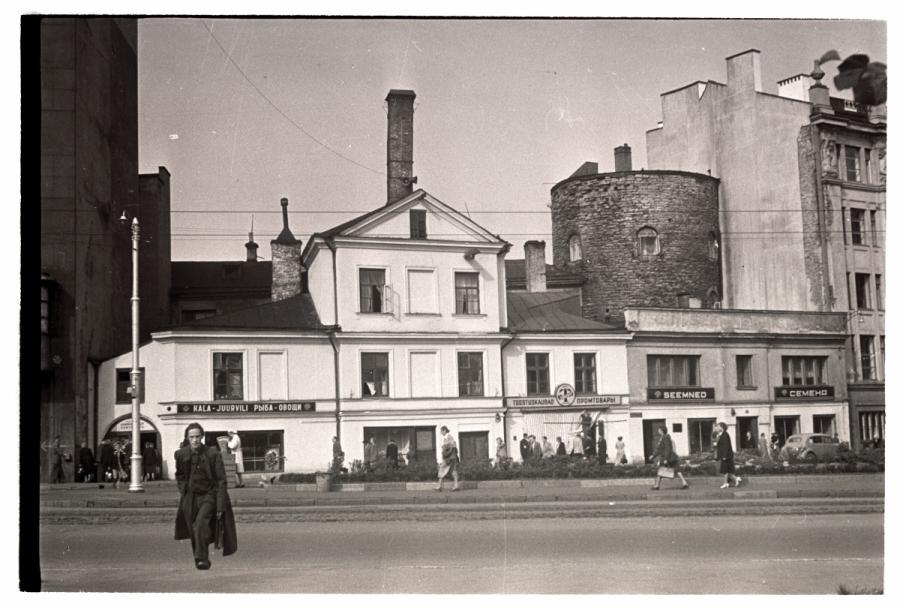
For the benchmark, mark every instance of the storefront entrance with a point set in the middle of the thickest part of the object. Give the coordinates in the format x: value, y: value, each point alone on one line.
x: 651, y: 435
x: 787, y: 426
x: 747, y: 433
x: 700, y: 435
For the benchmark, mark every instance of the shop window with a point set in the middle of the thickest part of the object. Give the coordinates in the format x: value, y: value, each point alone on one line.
x: 466, y: 285
x: 417, y: 228
x: 586, y: 373
x: 470, y: 373
x: 863, y: 301
x: 371, y: 290
x: 575, y: 248
x: 474, y: 447
x: 263, y: 450
x: 804, y: 370
x: 673, y: 371
x: 648, y: 241
x: 824, y: 424
x: 868, y: 369
x: 375, y: 374
x: 700, y: 435
x: 744, y: 365
x: 538, y: 374
x: 786, y: 426
x: 228, y: 376
x: 123, y: 382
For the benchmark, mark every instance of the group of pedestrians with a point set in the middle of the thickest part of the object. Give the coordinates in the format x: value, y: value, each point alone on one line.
x: 668, y: 463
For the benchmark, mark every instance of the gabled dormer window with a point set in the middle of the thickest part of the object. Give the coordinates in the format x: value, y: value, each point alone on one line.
x: 417, y: 228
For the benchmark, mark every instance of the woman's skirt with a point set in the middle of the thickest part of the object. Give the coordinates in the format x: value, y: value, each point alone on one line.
x: 446, y: 468
x: 726, y: 467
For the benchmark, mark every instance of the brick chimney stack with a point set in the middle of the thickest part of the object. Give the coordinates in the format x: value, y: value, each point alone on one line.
x: 535, y: 266
x: 400, y: 178
x: 287, y: 268
x: 623, y: 158
x: 251, y: 245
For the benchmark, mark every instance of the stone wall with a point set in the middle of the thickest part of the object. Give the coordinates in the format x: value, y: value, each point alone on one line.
x: 608, y: 210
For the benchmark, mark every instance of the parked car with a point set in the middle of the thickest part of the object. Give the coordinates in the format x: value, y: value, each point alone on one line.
x: 812, y: 447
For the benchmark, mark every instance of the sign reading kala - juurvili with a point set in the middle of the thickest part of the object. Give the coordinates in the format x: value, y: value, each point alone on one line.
x: 254, y: 408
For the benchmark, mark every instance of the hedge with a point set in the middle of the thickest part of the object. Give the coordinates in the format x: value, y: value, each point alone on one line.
x: 565, y: 467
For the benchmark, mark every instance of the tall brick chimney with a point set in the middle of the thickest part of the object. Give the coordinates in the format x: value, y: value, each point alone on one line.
x: 400, y: 144
x: 287, y: 268
x: 535, y: 267
x: 251, y: 245
x: 623, y: 158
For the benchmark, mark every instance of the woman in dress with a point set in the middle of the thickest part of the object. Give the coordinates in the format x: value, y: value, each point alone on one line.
x: 665, y: 456
x: 725, y: 456
x: 449, y: 460
x: 620, y: 452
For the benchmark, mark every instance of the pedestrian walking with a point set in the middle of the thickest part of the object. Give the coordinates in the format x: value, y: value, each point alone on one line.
x: 234, y: 445
x: 666, y: 459
x: 601, y: 449
x: 725, y: 456
x: 525, y: 447
x: 764, y: 450
x: 57, y: 474
x: 86, y: 465
x: 107, y: 462
x: 392, y: 454
x: 501, y: 458
x: 560, y: 446
x: 370, y: 454
x: 620, y: 451
x: 148, y: 457
x: 449, y: 460
x: 204, y: 508
x: 546, y: 448
x: 537, y: 451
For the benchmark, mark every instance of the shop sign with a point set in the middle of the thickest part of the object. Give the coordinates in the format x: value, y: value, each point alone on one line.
x: 569, y: 401
x: 127, y: 425
x: 681, y: 394
x: 808, y: 392
x: 246, y: 408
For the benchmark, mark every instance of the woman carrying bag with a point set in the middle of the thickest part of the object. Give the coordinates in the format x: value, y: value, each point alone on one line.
x: 666, y: 459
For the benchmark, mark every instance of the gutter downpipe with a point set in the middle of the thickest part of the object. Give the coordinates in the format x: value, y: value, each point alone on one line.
x: 333, y: 340
x: 503, y: 391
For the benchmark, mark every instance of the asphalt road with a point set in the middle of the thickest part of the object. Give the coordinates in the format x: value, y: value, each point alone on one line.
x: 749, y: 554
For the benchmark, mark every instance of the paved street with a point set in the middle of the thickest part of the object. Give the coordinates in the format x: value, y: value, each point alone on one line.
x: 763, y: 554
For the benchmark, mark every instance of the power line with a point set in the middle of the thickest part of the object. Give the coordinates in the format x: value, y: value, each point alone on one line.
x: 279, y: 111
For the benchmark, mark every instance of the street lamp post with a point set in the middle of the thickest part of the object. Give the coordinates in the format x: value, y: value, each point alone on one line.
x: 137, y: 467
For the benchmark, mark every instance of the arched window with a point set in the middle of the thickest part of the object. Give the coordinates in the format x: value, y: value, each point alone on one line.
x: 575, y: 248
x: 712, y: 299
x: 648, y: 241
x: 712, y: 246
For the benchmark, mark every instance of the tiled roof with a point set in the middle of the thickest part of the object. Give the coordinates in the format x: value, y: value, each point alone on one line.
x: 294, y: 313
x: 221, y: 276
x: 549, y: 312
x: 556, y: 278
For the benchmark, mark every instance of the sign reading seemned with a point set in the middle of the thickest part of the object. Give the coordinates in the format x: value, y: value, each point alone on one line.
x: 249, y: 408
x: 578, y: 401
x: 681, y: 394
x: 809, y: 392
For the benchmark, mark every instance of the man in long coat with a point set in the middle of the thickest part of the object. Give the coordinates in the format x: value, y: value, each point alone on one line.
x: 204, y: 503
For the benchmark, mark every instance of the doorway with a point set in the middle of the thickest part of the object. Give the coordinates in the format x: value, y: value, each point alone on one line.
x: 786, y: 427
x: 651, y: 434
x: 747, y: 433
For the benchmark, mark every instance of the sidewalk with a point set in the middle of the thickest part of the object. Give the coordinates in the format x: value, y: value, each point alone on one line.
x: 165, y: 493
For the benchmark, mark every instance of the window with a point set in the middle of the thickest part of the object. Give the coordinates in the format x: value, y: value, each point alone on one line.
x: 868, y: 369
x: 712, y: 246
x: 470, y: 373
x: 871, y: 425
x: 586, y: 373
x: 374, y: 367
x: 673, y: 371
x: 851, y: 158
x: 538, y: 373
x: 228, y: 376
x: 417, y: 229
x: 823, y: 424
x: 467, y: 293
x: 700, y: 434
x: 123, y: 382
x: 803, y: 370
x: 873, y: 227
x: 648, y: 241
x: 857, y: 227
x: 575, y: 248
x: 882, y: 352
x: 744, y: 371
x: 422, y: 291
x: 189, y: 315
x: 879, y: 299
x: 371, y: 290
x: 862, y: 291
x: 263, y: 450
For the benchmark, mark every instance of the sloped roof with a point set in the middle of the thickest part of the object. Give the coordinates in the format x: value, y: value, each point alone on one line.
x: 221, y: 276
x: 556, y: 278
x: 294, y: 313
x: 556, y: 311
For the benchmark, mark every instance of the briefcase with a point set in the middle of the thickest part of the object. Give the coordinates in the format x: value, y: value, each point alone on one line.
x: 666, y: 472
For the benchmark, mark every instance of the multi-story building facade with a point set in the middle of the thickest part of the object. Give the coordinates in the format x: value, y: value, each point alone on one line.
x: 801, y: 205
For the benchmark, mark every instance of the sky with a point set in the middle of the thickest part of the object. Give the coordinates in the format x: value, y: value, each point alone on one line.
x: 243, y: 112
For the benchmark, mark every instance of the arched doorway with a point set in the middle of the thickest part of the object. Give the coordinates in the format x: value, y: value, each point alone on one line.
x: 120, y: 430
